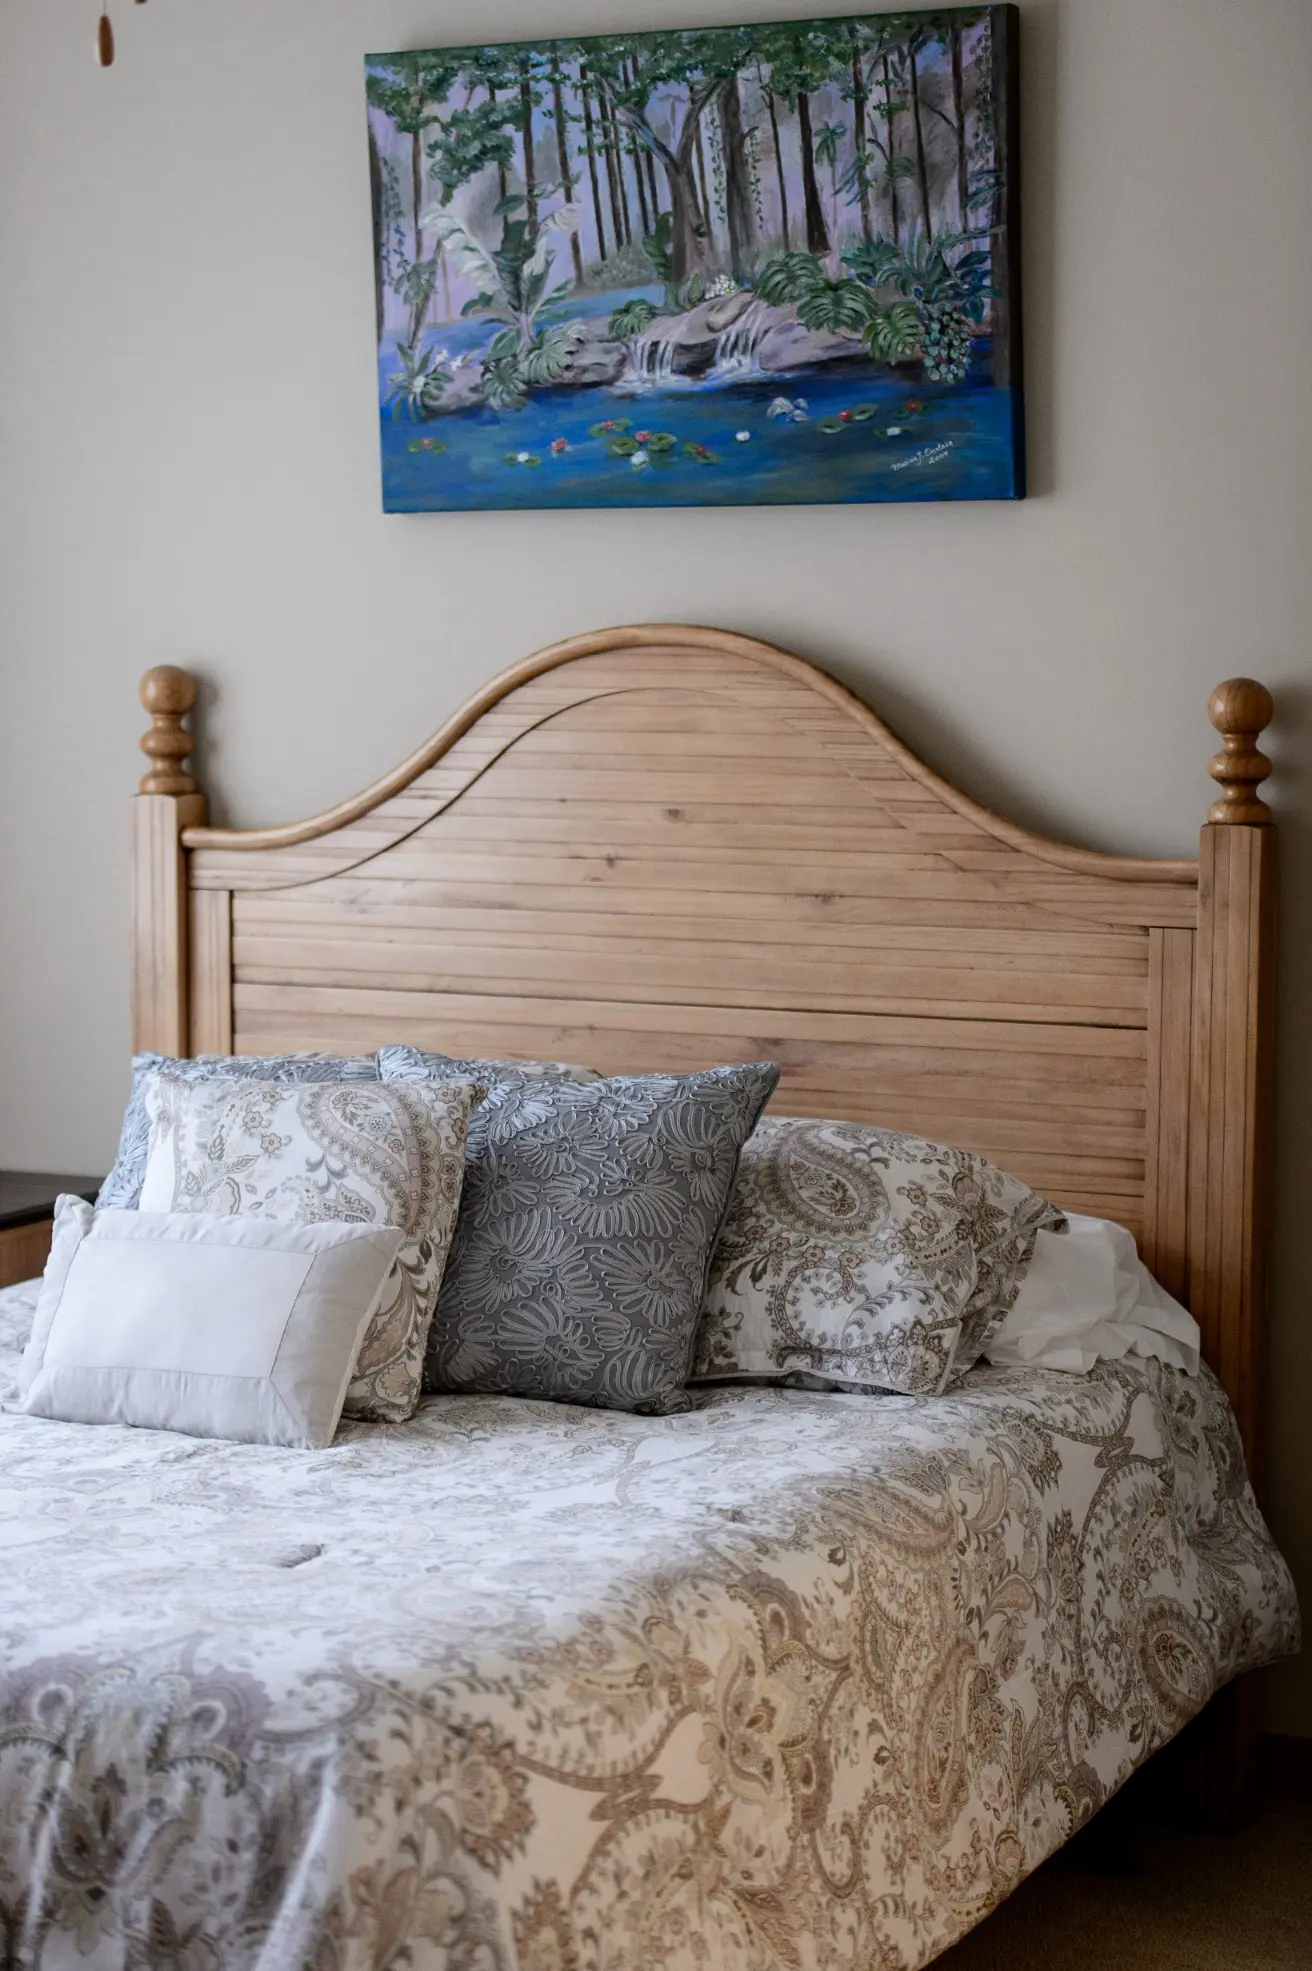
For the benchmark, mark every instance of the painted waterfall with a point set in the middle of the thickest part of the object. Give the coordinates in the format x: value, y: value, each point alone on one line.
x: 728, y: 266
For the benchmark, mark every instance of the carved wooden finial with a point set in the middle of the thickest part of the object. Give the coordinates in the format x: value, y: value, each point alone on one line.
x: 168, y: 694
x: 1240, y: 709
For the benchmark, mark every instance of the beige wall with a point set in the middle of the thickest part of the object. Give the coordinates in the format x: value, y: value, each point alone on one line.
x: 188, y: 471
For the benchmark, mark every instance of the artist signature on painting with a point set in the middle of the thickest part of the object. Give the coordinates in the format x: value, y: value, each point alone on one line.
x: 927, y: 455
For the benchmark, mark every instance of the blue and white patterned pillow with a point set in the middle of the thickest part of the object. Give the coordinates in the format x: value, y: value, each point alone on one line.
x: 417, y: 1064
x: 122, y: 1188
x: 589, y: 1216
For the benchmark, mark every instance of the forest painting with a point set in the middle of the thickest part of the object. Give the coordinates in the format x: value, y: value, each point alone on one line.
x: 725, y: 266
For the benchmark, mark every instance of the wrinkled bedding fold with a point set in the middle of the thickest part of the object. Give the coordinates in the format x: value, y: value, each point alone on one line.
x: 792, y: 1680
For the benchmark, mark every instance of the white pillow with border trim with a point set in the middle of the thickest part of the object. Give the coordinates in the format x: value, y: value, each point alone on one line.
x: 239, y: 1328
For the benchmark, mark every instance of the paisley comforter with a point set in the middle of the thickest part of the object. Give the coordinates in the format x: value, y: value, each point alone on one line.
x: 794, y: 1682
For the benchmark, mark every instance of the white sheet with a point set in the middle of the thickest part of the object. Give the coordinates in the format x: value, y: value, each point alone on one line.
x: 1088, y: 1298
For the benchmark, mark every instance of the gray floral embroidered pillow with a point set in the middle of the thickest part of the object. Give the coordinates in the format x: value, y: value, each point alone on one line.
x: 303, y: 1153
x: 121, y: 1190
x: 503, y: 1079
x: 862, y: 1258
x: 416, y: 1064
x: 590, y: 1214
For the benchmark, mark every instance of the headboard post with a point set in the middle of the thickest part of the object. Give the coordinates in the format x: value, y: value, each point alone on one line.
x: 1233, y: 1078
x: 168, y: 802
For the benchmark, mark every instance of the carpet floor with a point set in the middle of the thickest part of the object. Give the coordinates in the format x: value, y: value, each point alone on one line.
x: 1165, y: 1901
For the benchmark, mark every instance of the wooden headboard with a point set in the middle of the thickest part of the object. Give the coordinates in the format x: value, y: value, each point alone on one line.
x: 668, y: 847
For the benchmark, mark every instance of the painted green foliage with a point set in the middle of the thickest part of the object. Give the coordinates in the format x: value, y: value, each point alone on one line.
x: 847, y: 169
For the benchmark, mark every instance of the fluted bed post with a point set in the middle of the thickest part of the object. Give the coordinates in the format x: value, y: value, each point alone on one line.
x: 1230, y: 1148
x: 1233, y: 1065
x: 167, y: 802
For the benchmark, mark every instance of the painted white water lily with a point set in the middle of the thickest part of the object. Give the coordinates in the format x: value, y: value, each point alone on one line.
x: 638, y: 458
x: 742, y: 436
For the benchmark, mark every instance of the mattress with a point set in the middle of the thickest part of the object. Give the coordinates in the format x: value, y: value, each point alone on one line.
x: 792, y: 1680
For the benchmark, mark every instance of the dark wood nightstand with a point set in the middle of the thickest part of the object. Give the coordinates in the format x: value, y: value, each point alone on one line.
x: 27, y: 1215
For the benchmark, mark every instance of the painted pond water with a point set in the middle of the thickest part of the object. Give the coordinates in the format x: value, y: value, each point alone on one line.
x: 850, y: 432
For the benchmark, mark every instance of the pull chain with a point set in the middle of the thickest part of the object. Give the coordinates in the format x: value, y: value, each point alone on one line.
x: 105, y: 37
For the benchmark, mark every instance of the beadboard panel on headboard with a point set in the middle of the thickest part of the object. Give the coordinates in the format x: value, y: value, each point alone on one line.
x: 683, y: 857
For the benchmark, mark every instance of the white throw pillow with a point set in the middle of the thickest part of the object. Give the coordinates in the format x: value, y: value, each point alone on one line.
x: 300, y: 1153
x: 217, y: 1327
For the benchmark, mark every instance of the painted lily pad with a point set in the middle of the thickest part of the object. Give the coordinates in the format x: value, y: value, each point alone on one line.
x: 864, y: 411
x: 661, y: 441
x: 522, y: 458
x: 609, y: 425
x: 702, y: 453
x: 829, y: 425
x: 622, y: 448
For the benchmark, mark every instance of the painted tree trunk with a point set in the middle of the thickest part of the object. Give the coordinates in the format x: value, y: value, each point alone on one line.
x: 779, y: 168
x: 890, y: 128
x: 861, y: 143
x: 566, y: 176
x: 704, y: 185
x: 644, y: 214
x: 590, y: 145
x: 922, y: 167
x: 417, y: 191
x: 817, y: 233
x: 419, y: 308
x: 959, y: 115
x: 690, y: 250
x: 380, y: 233
x: 739, y: 212
x: 502, y: 187
x: 629, y: 70
x: 608, y: 145
x: 530, y: 168
x: 691, y: 247
x: 652, y: 191
x: 626, y: 210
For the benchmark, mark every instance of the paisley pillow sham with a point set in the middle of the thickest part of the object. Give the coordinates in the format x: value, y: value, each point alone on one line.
x: 589, y: 1218
x: 122, y: 1188
x: 304, y: 1153
x: 858, y: 1257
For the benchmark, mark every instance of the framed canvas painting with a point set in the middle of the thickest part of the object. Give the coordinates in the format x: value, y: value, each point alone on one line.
x: 719, y: 267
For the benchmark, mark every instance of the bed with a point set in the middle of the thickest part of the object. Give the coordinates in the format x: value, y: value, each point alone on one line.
x: 793, y: 1679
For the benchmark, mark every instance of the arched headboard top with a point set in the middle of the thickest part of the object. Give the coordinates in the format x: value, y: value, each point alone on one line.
x: 723, y: 659
x: 666, y: 846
